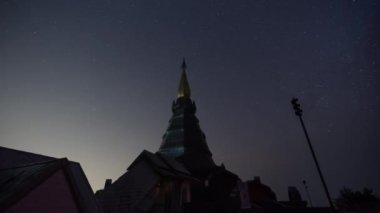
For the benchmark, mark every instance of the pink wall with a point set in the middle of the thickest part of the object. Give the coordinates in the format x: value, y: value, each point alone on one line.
x: 53, y: 195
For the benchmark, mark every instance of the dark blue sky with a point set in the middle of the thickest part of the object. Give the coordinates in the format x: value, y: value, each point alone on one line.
x: 94, y: 80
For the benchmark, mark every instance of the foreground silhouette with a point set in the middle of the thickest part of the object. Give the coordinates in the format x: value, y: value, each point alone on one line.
x: 358, y: 201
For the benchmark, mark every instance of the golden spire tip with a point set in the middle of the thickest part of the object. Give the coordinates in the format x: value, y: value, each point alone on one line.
x: 184, y: 88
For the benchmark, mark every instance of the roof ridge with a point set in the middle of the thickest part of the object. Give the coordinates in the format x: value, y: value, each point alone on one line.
x: 30, y: 153
x: 35, y: 163
x: 162, y: 157
x: 28, y: 184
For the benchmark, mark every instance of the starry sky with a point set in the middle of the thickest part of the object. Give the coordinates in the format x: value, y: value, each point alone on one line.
x: 94, y: 80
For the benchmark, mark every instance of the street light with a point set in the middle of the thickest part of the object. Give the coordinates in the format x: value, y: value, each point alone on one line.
x: 298, y: 112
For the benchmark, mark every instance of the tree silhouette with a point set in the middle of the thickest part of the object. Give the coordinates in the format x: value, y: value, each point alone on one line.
x: 355, y: 200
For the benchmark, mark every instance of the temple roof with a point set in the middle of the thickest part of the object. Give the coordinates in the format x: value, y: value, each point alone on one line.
x: 136, y: 190
x: 18, y: 181
x: 20, y: 171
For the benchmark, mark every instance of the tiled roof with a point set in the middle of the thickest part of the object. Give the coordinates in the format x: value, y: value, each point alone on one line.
x: 16, y: 166
x: 18, y: 181
x: 12, y: 157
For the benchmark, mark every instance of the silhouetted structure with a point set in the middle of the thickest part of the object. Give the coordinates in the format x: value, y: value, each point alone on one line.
x: 184, y: 139
x: 295, y: 199
x: 298, y: 112
x: 35, y: 183
x: 210, y: 187
x: 260, y: 193
x: 152, y: 183
x: 307, y: 192
x: 183, y: 177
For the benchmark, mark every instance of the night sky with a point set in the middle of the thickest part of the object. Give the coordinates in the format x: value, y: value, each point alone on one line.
x: 94, y: 81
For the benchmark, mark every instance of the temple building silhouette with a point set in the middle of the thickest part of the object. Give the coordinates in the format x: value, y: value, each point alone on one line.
x: 182, y: 175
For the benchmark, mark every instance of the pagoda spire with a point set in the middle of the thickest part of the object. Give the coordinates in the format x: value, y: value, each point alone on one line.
x: 184, y: 88
x: 184, y: 139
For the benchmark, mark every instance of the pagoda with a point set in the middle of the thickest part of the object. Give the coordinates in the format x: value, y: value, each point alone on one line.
x: 180, y: 177
x: 184, y: 140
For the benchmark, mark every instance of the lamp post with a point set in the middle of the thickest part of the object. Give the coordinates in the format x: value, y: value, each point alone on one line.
x: 298, y: 112
x: 307, y: 192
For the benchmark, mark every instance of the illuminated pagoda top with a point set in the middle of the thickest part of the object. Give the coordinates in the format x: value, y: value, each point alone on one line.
x: 184, y: 139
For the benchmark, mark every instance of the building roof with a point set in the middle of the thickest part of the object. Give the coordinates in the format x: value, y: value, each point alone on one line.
x: 163, y: 165
x: 16, y: 182
x: 28, y: 169
x: 12, y: 157
x: 135, y: 189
